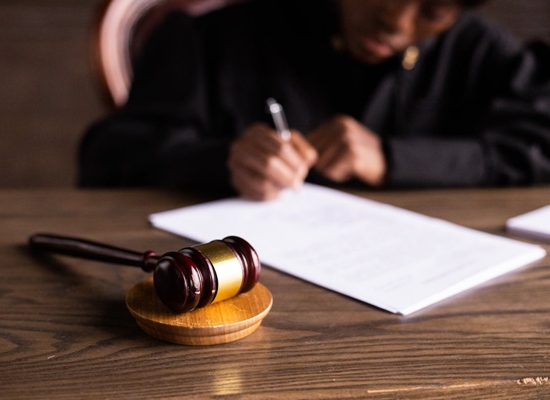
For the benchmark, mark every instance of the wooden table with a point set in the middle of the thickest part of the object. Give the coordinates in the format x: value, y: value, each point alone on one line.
x: 65, y: 332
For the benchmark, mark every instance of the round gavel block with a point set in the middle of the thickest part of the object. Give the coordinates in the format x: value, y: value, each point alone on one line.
x: 217, y: 323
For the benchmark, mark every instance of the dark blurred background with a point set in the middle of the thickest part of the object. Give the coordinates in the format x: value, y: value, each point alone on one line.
x: 49, y: 93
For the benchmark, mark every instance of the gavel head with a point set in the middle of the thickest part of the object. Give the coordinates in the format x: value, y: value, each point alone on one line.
x: 196, y: 276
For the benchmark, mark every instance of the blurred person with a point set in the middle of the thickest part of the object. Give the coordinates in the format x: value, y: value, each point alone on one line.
x: 378, y: 93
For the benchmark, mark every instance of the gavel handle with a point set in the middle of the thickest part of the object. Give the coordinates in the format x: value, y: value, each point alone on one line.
x: 87, y: 249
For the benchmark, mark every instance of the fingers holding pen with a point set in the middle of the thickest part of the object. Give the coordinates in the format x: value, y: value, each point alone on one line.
x: 261, y: 163
x: 257, y: 165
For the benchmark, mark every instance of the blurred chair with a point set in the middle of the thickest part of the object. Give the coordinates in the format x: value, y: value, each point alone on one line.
x: 121, y: 30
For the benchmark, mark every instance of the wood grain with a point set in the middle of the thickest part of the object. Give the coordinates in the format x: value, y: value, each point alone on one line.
x: 65, y: 331
x: 217, y: 323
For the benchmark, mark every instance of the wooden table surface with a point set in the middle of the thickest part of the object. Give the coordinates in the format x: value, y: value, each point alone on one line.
x: 65, y: 332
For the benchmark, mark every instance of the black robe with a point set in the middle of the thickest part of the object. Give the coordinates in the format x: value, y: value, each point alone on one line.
x: 474, y: 111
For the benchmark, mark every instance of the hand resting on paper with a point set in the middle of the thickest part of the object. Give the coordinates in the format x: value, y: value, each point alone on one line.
x: 347, y: 149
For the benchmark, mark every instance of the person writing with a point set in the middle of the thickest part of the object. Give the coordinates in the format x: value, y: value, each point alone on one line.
x: 379, y: 93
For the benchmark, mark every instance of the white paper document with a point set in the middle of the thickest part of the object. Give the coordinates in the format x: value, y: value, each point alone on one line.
x: 386, y: 256
x: 534, y: 224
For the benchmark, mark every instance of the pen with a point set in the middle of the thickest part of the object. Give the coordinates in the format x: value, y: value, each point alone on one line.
x: 279, y: 118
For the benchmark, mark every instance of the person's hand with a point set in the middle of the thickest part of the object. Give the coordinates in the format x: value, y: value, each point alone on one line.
x: 262, y: 164
x: 347, y: 149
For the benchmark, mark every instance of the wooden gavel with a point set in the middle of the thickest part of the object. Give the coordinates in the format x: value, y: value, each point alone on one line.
x: 190, y: 278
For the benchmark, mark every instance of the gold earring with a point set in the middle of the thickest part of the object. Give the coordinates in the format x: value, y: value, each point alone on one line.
x: 410, y: 57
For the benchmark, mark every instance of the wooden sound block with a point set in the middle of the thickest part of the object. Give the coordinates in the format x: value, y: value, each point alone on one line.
x: 217, y: 323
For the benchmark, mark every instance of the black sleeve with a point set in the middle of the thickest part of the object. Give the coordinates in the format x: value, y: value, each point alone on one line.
x: 508, y: 143
x: 162, y: 135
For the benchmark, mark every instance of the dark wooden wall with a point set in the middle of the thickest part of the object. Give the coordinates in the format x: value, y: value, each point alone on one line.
x: 48, y: 94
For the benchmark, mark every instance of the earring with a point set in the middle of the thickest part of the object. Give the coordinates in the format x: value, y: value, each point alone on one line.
x: 410, y: 57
